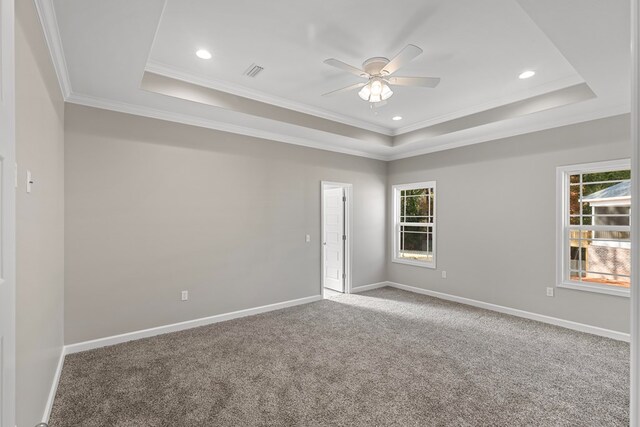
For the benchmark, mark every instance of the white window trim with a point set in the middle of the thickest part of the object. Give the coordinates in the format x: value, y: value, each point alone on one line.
x: 562, y: 178
x: 395, y: 218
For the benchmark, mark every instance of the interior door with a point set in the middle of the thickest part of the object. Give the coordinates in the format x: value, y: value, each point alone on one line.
x: 334, y: 239
x: 7, y: 216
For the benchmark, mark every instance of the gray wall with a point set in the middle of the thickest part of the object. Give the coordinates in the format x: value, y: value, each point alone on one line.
x: 497, y: 219
x: 154, y: 207
x: 40, y: 218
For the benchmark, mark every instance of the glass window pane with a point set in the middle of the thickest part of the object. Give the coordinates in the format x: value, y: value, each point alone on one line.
x: 416, y: 243
x: 611, y: 215
x: 606, y: 176
x: 416, y: 228
x: 596, y: 190
x: 418, y: 219
x: 574, y: 199
x: 618, y: 236
x: 417, y: 205
x: 604, y: 202
x: 604, y: 262
x: 432, y: 202
x: 612, y: 210
x: 586, y: 214
x: 613, y: 220
x: 416, y: 192
x: 576, y: 251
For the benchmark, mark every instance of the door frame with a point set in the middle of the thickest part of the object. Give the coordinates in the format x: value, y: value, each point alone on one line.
x: 8, y: 224
x: 348, y: 230
x: 634, y: 410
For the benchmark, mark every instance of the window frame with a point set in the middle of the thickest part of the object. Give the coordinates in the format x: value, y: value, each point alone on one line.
x: 396, y: 189
x: 563, y: 174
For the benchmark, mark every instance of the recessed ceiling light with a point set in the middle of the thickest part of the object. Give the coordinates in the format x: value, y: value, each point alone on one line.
x: 396, y: 118
x: 527, y: 74
x: 203, y: 54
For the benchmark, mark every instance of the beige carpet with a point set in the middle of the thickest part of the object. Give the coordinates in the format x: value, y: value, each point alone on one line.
x: 381, y: 358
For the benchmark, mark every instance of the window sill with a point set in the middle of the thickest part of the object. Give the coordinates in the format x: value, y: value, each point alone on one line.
x: 431, y: 265
x: 600, y: 289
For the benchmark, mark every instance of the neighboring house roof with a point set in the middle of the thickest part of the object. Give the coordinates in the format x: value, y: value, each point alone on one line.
x: 618, y: 191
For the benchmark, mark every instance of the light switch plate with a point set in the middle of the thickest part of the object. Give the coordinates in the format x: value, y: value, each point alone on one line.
x: 29, y: 181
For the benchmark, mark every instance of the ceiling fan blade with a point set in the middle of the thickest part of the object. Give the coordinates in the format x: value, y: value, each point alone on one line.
x: 378, y: 104
x: 414, y: 81
x: 346, y: 67
x: 405, y: 56
x: 345, y: 89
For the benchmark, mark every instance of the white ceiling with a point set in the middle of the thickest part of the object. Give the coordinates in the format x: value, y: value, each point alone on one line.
x: 477, y: 52
x: 102, y: 49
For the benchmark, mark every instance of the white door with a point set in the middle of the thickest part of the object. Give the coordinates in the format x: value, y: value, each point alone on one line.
x: 7, y: 216
x: 334, y: 239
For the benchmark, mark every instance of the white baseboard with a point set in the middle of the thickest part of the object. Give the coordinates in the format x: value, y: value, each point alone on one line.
x: 145, y: 333
x: 369, y: 287
x: 54, y: 387
x: 581, y: 327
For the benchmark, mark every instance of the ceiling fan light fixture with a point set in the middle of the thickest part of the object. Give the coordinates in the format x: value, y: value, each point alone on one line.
x: 365, y: 92
x: 386, y: 92
x: 375, y: 91
x: 376, y: 88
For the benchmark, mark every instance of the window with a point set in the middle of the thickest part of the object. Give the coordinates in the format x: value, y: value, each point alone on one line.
x: 594, y: 234
x: 414, y: 240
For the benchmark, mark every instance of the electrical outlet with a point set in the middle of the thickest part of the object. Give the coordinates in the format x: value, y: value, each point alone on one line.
x: 185, y: 295
x: 444, y: 274
x: 549, y: 292
x: 307, y: 238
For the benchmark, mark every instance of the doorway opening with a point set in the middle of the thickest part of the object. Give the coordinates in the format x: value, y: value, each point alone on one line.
x: 336, y: 238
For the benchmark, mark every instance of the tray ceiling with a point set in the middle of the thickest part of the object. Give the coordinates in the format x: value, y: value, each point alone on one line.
x: 477, y: 48
x: 106, y: 52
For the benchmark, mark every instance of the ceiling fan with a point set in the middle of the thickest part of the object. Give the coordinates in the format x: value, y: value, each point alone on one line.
x: 378, y: 72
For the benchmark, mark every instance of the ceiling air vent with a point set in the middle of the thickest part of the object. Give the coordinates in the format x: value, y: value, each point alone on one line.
x: 253, y: 70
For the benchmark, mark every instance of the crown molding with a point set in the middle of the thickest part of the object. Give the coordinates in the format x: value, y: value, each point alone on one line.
x: 535, y: 127
x: 49, y: 22
x: 518, y: 96
x: 238, y: 90
x: 144, y: 111
x: 138, y: 110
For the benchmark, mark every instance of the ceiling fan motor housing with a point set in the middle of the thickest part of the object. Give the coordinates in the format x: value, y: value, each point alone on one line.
x: 378, y: 71
x: 373, y: 66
